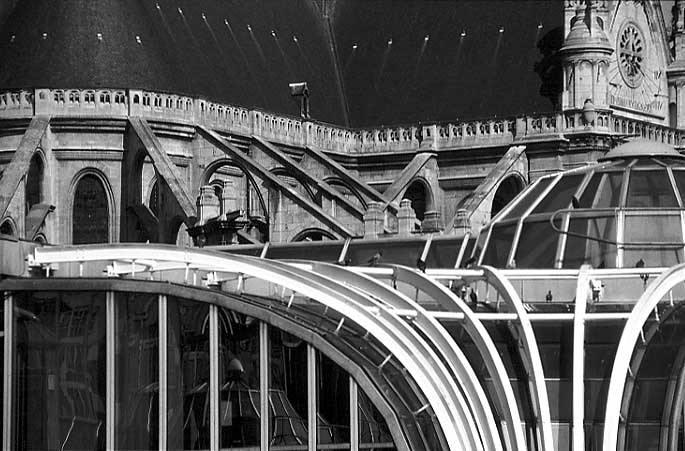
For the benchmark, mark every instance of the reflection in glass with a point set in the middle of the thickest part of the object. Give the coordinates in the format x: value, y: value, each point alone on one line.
x: 239, y: 398
x: 373, y: 431
x: 560, y: 197
x: 609, y: 192
x: 137, y: 371
x: 499, y: 245
x: 59, y: 391
x: 287, y: 391
x: 537, y: 245
x: 590, y: 241
x: 529, y: 198
x: 333, y: 404
x: 188, y: 380
x: 650, y: 189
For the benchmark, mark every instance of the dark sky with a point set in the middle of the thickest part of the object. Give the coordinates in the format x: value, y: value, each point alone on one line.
x: 428, y: 73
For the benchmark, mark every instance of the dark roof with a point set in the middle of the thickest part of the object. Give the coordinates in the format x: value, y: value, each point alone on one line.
x: 482, y: 74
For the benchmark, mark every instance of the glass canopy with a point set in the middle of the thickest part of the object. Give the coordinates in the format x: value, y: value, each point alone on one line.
x: 623, y: 212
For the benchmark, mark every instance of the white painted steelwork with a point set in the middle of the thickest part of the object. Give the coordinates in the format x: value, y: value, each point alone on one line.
x: 578, y: 379
x: 641, y: 312
x: 448, y: 349
x: 488, y: 351
x: 406, y: 347
x: 530, y: 355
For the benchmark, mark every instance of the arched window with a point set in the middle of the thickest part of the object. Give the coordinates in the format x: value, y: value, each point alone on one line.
x: 507, y: 190
x: 34, y: 182
x: 6, y: 228
x: 418, y: 196
x: 91, y: 213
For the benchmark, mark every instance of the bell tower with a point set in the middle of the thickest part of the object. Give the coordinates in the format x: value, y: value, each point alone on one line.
x: 585, y: 56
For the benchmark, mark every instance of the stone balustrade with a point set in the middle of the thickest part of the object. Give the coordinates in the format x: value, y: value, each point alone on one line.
x: 298, y: 132
x: 16, y: 104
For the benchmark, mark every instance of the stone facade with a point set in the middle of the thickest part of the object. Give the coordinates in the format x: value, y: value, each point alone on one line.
x: 293, y: 178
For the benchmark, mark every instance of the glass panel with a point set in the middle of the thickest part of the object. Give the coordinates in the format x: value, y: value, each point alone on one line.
x: 582, y: 248
x: 333, y: 401
x: 560, y: 392
x: 561, y: 434
x: 652, y: 229
x: 587, y: 199
x: 537, y: 245
x: 528, y: 198
x: 609, y: 194
x: 647, y: 401
x: 137, y: 371
x: 643, y: 437
x: 59, y: 376
x: 651, y: 189
x: 652, y: 257
x: 561, y: 195
x: 238, y: 380
x: 288, y: 395
x: 500, y: 243
x: 188, y: 375
x: 373, y: 431
x: 679, y: 177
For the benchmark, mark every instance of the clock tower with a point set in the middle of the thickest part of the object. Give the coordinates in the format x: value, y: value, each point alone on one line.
x: 637, y: 76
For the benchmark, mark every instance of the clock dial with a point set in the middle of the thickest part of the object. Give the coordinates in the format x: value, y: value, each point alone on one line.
x: 635, y: 75
x: 631, y: 54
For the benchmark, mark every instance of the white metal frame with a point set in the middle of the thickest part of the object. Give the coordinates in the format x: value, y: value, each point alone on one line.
x: 449, y: 350
x: 578, y: 379
x: 530, y: 355
x: 396, y: 335
x: 481, y: 338
x: 641, y: 312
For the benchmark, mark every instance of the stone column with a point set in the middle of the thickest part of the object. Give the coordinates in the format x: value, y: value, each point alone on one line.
x: 406, y: 218
x: 373, y: 221
x: 207, y: 204
x: 432, y: 222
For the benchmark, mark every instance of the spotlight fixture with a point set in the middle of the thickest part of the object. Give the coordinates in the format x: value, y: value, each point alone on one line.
x: 99, y: 35
x: 426, y: 38
x: 463, y: 34
x: 204, y: 17
x: 295, y: 39
x: 540, y: 26
x: 273, y: 33
x: 501, y: 29
x: 390, y: 41
x: 180, y: 11
x: 249, y: 28
x: 354, y: 46
x: 13, y: 37
x: 138, y: 40
x: 45, y: 36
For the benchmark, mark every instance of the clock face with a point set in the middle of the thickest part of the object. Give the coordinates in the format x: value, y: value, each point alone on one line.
x: 637, y: 81
x: 630, y: 51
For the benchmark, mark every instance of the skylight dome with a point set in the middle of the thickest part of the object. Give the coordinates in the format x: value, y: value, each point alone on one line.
x: 625, y: 211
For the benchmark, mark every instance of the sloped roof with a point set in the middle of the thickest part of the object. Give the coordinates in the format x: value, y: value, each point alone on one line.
x: 48, y: 43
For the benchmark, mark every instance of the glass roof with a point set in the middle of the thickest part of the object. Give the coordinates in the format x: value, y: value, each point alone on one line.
x: 625, y: 211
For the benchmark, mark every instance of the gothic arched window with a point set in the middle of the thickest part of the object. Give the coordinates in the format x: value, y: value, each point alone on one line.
x: 34, y: 183
x: 91, y: 212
